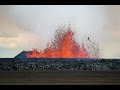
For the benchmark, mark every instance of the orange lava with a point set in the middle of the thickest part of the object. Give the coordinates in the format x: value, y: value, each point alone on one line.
x: 64, y: 46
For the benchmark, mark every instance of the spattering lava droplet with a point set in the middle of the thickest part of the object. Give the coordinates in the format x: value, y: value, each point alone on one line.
x: 64, y: 46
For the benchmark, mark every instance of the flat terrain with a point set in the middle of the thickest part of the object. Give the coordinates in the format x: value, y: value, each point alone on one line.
x: 60, y: 77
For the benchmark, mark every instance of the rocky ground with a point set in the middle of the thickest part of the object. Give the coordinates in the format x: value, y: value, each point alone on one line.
x: 59, y: 64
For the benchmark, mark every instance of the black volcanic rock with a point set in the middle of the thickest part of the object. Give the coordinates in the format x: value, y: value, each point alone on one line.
x: 21, y: 62
x: 57, y: 64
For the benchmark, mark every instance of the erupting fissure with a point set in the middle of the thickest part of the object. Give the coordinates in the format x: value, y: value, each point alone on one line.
x: 64, y: 46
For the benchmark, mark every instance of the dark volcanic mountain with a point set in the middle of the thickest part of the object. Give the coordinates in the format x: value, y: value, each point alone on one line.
x: 22, y: 55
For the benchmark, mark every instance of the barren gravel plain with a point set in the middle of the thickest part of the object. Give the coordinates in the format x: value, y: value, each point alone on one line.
x: 54, y: 77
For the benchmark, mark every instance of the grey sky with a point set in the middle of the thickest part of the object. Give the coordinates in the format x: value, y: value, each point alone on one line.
x: 26, y: 27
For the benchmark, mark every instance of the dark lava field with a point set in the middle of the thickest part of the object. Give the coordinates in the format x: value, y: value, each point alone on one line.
x: 58, y: 64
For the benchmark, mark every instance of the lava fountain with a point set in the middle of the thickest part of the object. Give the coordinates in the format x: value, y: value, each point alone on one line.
x: 64, y: 46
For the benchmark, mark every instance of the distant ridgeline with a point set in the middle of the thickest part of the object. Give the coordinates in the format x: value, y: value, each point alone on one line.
x: 22, y: 57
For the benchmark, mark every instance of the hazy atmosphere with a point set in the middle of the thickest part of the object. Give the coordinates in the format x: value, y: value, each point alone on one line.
x: 23, y: 27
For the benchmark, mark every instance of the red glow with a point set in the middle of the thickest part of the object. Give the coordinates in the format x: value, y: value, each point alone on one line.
x: 64, y: 46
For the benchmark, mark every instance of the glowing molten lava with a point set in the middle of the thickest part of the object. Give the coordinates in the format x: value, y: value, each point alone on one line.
x: 64, y: 46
